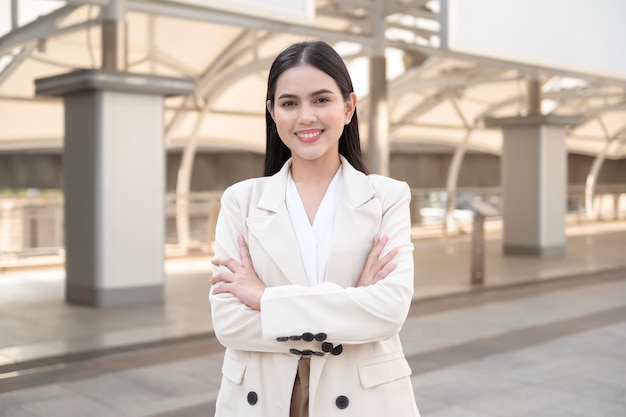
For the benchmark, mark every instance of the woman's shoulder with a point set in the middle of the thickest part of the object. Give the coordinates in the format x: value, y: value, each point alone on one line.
x: 252, y: 186
x: 386, y: 185
x: 380, y: 183
x: 245, y: 188
x: 249, y: 183
x: 383, y: 180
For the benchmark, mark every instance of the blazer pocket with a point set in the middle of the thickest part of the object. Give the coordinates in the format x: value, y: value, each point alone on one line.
x: 380, y: 370
x: 233, y: 369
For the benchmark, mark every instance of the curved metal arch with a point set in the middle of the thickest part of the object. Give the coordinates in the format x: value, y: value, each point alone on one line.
x: 43, y: 27
x: 592, y: 210
x: 219, y: 80
x: 183, y: 179
x: 454, y: 83
x: 183, y: 185
x: 17, y: 60
x: 221, y: 83
x: 455, y: 166
x: 180, y: 114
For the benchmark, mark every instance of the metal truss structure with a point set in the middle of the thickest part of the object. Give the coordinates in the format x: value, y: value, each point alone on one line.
x: 437, y: 99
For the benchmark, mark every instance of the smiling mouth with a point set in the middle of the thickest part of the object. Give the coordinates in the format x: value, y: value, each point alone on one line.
x: 309, y: 136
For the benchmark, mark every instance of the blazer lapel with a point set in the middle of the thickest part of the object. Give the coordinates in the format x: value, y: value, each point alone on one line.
x: 357, y: 221
x: 271, y: 226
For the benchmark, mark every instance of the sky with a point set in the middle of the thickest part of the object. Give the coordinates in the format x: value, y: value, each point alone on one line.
x: 28, y: 10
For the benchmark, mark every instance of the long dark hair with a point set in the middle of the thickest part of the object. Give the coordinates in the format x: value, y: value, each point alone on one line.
x: 323, y: 57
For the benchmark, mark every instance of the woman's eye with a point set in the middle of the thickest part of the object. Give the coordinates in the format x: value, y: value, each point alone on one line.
x: 322, y: 100
x: 288, y: 104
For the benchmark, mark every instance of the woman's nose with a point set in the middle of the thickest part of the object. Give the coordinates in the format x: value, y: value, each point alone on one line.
x: 306, y: 115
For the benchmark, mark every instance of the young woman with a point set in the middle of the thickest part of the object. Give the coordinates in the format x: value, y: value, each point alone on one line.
x: 313, y: 271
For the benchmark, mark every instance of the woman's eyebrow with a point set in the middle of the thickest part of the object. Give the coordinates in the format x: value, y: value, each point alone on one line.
x: 322, y: 91
x: 313, y: 94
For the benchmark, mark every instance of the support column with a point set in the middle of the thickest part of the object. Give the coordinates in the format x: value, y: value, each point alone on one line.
x: 114, y: 183
x: 379, y: 118
x: 379, y: 113
x: 114, y: 41
x: 14, y: 15
x: 534, y: 183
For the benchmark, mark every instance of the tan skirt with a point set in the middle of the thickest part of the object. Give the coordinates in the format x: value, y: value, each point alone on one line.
x: 300, y: 395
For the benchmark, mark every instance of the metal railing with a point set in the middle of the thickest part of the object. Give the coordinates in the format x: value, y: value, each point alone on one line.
x: 33, y: 225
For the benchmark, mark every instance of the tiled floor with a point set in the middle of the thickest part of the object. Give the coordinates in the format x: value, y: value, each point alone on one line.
x: 36, y: 323
x: 554, y: 349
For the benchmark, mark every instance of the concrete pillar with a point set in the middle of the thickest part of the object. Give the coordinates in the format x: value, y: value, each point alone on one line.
x: 379, y: 113
x: 534, y: 183
x: 114, y: 36
x: 114, y: 183
x: 379, y: 118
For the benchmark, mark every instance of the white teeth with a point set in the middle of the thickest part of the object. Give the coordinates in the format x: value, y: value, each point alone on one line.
x: 308, y: 135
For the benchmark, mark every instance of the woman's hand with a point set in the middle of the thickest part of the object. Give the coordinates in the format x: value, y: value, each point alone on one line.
x: 240, y: 280
x: 377, y: 268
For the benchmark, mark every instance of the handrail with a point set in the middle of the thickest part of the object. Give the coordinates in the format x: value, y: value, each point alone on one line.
x: 33, y: 225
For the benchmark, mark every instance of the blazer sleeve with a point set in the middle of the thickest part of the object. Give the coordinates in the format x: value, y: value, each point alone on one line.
x: 352, y: 315
x: 236, y: 325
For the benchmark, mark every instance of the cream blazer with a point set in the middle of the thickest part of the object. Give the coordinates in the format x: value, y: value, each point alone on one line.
x: 366, y: 374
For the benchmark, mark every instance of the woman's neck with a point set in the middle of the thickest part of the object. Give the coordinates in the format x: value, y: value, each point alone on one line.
x: 319, y: 172
x: 312, y: 179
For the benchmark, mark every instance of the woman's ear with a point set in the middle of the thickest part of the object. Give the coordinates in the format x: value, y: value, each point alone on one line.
x: 350, y: 107
x: 270, y: 108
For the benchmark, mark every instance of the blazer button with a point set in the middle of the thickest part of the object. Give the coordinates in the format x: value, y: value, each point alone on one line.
x: 308, y: 337
x: 320, y: 337
x: 307, y: 352
x: 282, y: 339
x: 295, y: 338
x: 337, y: 350
x: 342, y: 402
x: 253, y: 398
x: 327, y: 347
x: 295, y: 351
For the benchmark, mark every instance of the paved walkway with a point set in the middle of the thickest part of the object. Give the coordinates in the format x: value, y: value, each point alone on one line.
x: 550, y: 350
x: 36, y: 324
x: 502, y: 349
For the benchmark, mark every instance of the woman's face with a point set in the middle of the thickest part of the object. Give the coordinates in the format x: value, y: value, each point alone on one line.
x: 310, y: 113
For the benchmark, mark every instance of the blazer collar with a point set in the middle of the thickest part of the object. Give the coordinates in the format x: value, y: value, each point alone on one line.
x: 356, y: 189
x: 273, y: 197
x: 271, y: 223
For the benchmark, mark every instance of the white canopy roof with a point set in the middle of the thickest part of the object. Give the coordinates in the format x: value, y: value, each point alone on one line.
x: 436, y: 97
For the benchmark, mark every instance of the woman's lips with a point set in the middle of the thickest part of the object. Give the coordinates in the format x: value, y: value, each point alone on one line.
x: 309, y: 135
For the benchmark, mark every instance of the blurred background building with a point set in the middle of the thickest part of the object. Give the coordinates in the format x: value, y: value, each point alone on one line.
x: 122, y: 122
x: 445, y: 79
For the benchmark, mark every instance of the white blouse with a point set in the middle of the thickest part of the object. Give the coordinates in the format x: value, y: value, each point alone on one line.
x: 314, y: 239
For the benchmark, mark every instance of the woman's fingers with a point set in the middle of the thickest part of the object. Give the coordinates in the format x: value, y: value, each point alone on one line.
x: 377, y: 267
x: 246, y: 260
x: 221, y: 277
x: 377, y: 249
x: 376, y: 261
x: 385, y: 271
x: 387, y: 258
x: 229, y: 263
x: 232, y: 264
x: 224, y: 287
x: 240, y: 279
